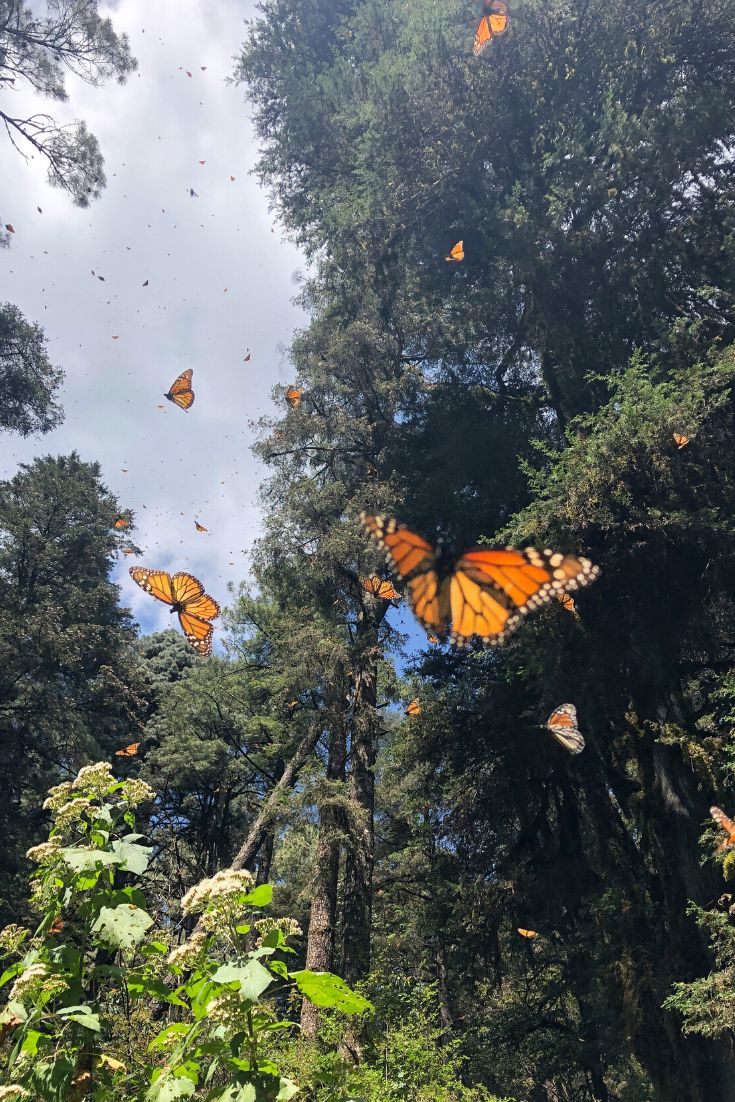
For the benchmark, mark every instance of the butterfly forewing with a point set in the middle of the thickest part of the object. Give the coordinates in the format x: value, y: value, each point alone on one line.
x: 563, y: 725
x: 186, y: 588
x: 155, y: 582
x: 128, y: 751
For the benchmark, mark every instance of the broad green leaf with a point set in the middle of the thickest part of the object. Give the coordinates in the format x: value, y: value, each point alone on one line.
x: 86, y: 860
x: 288, y: 1090
x: 236, y: 1093
x: 83, y: 1015
x: 327, y: 990
x: 132, y: 857
x: 31, y: 1042
x: 122, y: 927
x: 167, y: 1088
x: 253, y: 978
x: 176, y: 1029
x: 260, y: 896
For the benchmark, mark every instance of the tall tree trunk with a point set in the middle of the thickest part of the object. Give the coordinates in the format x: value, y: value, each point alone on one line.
x: 320, y: 944
x: 360, y: 857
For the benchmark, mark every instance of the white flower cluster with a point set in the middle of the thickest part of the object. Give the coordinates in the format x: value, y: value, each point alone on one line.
x: 13, y: 1090
x: 186, y: 954
x: 45, y: 850
x: 72, y: 811
x: 12, y: 937
x: 137, y: 792
x: 96, y: 778
x: 221, y: 891
x: 57, y: 796
x: 289, y: 927
x: 226, y: 1009
x: 29, y: 981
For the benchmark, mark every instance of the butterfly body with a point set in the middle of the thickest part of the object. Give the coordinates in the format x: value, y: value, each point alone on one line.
x: 481, y: 593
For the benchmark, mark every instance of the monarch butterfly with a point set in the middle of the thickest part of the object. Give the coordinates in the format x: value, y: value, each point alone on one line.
x: 128, y: 550
x: 433, y: 639
x: 456, y: 252
x: 679, y: 440
x: 56, y: 926
x: 379, y: 588
x: 482, y: 592
x: 527, y: 933
x: 293, y: 396
x: 186, y: 595
x: 414, y: 708
x: 181, y: 393
x: 563, y: 725
x: 200, y: 527
x: 494, y: 22
x: 128, y: 751
x: 727, y: 825
x: 122, y: 522
x: 566, y: 602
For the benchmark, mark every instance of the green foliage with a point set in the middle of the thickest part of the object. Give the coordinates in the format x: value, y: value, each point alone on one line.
x: 28, y: 379
x: 77, y: 983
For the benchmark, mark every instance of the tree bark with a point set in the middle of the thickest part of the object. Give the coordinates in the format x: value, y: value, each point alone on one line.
x: 320, y: 944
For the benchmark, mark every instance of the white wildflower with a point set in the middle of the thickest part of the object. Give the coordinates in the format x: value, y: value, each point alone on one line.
x: 57, y: 796
x: 137, y: 792
x: 44, y: 850
x: 13, y: 1090
x: 28, y: 981
x: 223, y: 888
x: 12, y: 937
x: 185, y: 955
x: 72, y: 811
x: 289, y: 927
x: 96, y: 778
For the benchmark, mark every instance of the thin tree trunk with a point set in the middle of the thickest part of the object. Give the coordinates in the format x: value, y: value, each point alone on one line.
x: 359, y: 871
x: 265, y: 858
x: 269, y: 811
x: 320, y: 944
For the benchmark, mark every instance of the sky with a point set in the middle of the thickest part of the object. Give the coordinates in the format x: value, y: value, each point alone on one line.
x: 221, y: 279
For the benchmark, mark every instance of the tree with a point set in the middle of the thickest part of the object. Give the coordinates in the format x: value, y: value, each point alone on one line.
x: 36, y: 50
x: 69, y: 686
x: 28, y: 380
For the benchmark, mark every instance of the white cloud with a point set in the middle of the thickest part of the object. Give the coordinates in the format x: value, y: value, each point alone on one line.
x: 153, y: 131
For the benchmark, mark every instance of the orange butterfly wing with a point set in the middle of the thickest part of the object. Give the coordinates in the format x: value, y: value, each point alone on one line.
x: 197, y: 631
x: 122, y: 522
x: 679, y: 440
x: 181, y: 393
x: 493, y: 23
x: 128, y: 751
x: 726, y: 824
x: 492, y: 590
x: 293, y: 396
x: 410, y: 554
x: 155, y: 582
x: 200, y: 527
x: 414, y: 708
x: 527, y: 933
x: 456, y: 252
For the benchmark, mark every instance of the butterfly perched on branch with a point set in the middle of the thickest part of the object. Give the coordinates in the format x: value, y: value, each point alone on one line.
x: 482, y: 593
x: 727, y: 825
x: 680, y: 440
x: 414, y: 708
x: 494, y: 22
x: 563, y: 725
x: 181, y: 393
x: 186, y: 595
x: 293, y: 396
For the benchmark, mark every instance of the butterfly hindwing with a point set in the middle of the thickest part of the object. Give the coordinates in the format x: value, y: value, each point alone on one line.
x: 197, y: 631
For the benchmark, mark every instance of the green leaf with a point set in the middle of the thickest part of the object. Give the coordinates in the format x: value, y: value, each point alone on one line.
x: 176, y: 1029
x: 84, y: 1015
x: 260, y: 896
x: 86, y: 860
x: 167, y: 1088
x: 132, y: 857
x: 236, y: 1093
x: 122, y: 927
x: 253, y: 978
x: 327, y: 990
x: 279, y: 968
x: 288, y: 1090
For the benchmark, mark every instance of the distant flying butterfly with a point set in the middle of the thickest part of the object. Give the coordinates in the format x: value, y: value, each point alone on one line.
x: 380, y: 588
x: 128, y: 551
x: 293, y: 396
x: 567, y: 602
x: 9, y: 227
x: 456, y: 252
x: 483, y: 592
x: 200, y: 527
x: 181, y: 393
x: 193, y: 193
x: 246, y: 359
x: 186, y: 595
x: 527, y: 933
x: 494, y: 22
x: 679, y: 440
x: 146, y: 283
x: 414, y: 708
x: 563, y: 725
x: 128, y: 751
x: 726, y: 824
